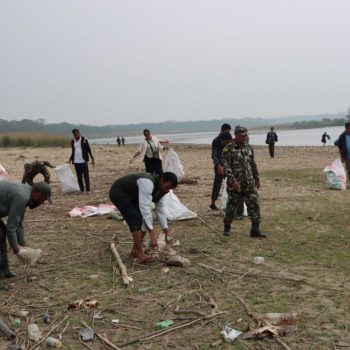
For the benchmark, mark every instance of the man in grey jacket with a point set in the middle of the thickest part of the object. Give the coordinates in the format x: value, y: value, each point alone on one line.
x: 14, y: 199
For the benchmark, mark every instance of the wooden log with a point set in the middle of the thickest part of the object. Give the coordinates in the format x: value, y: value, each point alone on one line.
x: 6, y: 330
x: 122, y: 268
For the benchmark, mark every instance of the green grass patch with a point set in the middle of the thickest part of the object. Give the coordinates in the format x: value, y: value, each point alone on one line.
x: 32, y: 139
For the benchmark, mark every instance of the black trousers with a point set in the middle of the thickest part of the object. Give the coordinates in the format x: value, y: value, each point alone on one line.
x: 218, y: 178
x: 82, y: 169
x: 272, y: 149
x: 4, y: 262
x: 153, y: 165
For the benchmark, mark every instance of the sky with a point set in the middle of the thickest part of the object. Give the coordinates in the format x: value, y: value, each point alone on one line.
x: 118, y: 62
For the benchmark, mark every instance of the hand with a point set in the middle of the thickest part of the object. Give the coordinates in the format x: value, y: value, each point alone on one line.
x: 342, y: 159
x: 236, y: 186
x: 168, y: 234
x: 131, y: 160
x: 15, y: 250
x: 257, y: 184
x: 93, y: 161
x: 220, y: 169
x: 69, y: 161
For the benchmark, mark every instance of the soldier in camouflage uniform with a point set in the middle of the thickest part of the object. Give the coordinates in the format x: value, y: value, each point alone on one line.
x: 242, y: 181
x: 33, y: 169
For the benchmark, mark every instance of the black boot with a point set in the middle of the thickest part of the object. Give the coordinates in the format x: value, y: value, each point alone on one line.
x: 255, y: 232
x: 227, y: 230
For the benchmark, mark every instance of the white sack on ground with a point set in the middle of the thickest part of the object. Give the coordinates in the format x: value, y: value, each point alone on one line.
x: 29, y: 256
x: 172, y: 163
x: 224, y: 198
x: 68, y: 182
x: 90, y: 210
x: 336, y: 176
x: 3, y: 173
x: 175, y: 210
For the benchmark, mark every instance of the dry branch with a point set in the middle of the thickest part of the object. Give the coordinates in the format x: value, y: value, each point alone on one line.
x: 122, y: 267
x: 166, y: 331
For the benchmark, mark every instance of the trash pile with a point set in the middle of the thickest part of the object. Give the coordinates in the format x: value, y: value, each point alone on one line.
x: 68, y: 183
x: 90, y: 210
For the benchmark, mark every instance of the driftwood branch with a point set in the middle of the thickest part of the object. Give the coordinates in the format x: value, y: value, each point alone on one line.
x: 122, y: 268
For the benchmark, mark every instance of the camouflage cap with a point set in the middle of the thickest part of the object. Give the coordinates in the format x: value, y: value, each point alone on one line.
x: 44, y: 189
x: 241, y: 130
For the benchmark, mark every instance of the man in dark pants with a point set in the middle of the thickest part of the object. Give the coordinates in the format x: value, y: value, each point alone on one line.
x: 80, y: 158
x: 271, y: 138
x: 132, y: 195
x: 242, y: 182
x: 14, y: 199
x: 216, y: 155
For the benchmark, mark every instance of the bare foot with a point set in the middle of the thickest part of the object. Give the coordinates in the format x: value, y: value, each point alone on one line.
x: 141, y: 257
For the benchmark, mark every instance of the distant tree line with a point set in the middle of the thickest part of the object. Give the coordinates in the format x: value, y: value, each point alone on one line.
x: 170, y: 127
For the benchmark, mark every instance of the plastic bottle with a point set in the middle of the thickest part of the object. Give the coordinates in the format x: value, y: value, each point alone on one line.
x: 53, y: 343
x: 276, y: 318
x: 164, y: 324
x: 34, y: 332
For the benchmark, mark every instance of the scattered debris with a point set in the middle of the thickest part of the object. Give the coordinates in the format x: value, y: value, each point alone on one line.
x: 86, y: 334
x: 258, y: 260
x: 87, y: 303
x: 16, y: 323
x: 47, y: 319
x: 230, y: 334
x: 94, y: 277
x: 179, y: 261
x: 4, y: 328
x: 144, y: 289
x: 34, y: 332
x: 164, y: 324
x: 115, y: 321
x: 53, y: 343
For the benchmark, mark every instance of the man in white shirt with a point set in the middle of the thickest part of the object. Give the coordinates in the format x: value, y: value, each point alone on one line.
x: 133, y: 195
x: 80, y: 158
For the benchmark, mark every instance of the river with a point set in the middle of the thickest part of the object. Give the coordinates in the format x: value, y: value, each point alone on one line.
x: 300, y: 137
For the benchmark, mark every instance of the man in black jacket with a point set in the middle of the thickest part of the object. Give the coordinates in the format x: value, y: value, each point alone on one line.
x: 343, y: 144
x: 216, y: 155
x: 271, y: 138
x: 80, y: 158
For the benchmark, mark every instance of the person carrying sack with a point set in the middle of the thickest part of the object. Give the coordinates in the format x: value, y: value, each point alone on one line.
x: 149, y: 151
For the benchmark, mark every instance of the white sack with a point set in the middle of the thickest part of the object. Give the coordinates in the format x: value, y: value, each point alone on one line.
x: 224, y: 198
x: 336, y: 176
x: 175, y: 210
x: 3, y: 173
x: 68, y: 182
x: 90, y: 210
x: 172, y: 163
x: 29, y: 256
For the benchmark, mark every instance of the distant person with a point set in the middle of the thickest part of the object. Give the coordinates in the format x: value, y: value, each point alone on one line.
x: 150, y: 153
x: 324, y: 138
x: 123, y: 141
x: 80, y: 159
x: 344, y: 147
x: 271, y: 139
x: 132, y: 195
x: 33, y: 169
x: 14, y: 199
x: 217, y: 146
x: 118, y: 141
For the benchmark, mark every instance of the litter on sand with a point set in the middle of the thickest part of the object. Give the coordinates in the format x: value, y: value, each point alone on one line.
x: 90, y: 210
x: 230, y: 334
